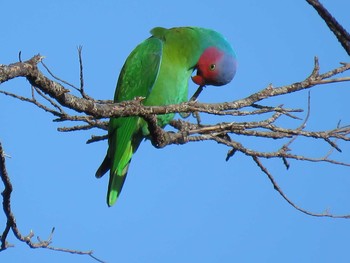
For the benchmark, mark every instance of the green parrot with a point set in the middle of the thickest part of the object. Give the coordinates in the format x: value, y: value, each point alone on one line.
x: 159, y: 69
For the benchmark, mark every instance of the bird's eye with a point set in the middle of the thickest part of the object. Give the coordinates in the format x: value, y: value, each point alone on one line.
x: 212, y: 67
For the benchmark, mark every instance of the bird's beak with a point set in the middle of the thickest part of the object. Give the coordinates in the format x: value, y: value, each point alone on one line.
x: 199, y: 80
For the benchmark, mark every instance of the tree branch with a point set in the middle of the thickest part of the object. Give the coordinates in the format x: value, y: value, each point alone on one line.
x: 11, y: 221
x: 92, y: 110
x: 97, y: 109
x: 342, y: 35
x: 284, y: 196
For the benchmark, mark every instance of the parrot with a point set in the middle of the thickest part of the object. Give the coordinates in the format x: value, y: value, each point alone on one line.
x: 158, y: 70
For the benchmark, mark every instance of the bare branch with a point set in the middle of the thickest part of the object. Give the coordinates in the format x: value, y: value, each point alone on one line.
x: 57, y: 78
x: 279, y: 190
x: 92, y: 110
x: 95, y: 138
x: 92, y: 107
x: 342, y: 35
x: 11, y: 221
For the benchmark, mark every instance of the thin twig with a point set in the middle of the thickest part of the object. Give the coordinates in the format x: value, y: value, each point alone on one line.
x: 81, y: 74
x: 95, y: 138
x: 57, y: 78
x: 342, y: 35
x: 284, y: 196
x: 32, y: 100
x: 11, y: 221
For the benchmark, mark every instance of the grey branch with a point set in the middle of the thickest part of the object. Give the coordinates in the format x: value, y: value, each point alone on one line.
x: 91, y: 113
x: 101, y: 109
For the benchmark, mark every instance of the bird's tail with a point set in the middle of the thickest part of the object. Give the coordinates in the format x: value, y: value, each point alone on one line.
x: 104, y: 167
x: 116, y: 177
x: 118, y: 174
x: 122, y: 144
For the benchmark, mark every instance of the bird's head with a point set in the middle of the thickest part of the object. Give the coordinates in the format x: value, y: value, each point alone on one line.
x: 215, y: 67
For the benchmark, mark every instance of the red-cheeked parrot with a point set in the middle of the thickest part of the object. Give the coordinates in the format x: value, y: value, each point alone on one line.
x: 159, y: 69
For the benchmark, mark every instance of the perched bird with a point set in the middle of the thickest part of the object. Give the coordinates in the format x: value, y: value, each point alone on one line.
x: 158, y: 69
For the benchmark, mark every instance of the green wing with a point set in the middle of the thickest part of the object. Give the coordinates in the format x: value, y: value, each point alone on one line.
x: 140, y: 70
x: 137, y: 78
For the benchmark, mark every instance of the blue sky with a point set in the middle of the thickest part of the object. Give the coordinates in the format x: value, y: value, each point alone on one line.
x: 180, y: 203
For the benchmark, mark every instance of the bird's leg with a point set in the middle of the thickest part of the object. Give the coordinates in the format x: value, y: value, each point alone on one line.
x: 194, y: 98
x: 196, y: 94
x: 197, y: 117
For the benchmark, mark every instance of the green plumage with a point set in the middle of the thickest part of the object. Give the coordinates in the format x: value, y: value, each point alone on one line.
x: 158, y: 69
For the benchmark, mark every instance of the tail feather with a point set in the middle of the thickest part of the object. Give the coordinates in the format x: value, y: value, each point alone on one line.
x: 115, y: 185
x: 118, y: 172
x: 124, y: 138
x: 104, y: 167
